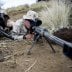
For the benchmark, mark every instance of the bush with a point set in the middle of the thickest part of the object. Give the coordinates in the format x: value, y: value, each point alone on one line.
x: 55, y: 15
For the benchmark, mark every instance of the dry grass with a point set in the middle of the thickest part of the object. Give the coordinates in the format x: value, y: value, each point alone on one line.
x: 25, y: 8
x: 38, y: 6
x: 55, y: 15
x: 19, y: 9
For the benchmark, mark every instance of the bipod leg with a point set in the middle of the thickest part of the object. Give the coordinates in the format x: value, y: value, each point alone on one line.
x: 51, y: 46
x: 35, y: 40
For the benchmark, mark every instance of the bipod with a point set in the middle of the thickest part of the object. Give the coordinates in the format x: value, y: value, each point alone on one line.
x: 49, y: 42
x: 50, y: 45
x: 36, y: 38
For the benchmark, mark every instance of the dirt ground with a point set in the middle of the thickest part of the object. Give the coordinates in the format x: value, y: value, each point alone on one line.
x: 42, y: 58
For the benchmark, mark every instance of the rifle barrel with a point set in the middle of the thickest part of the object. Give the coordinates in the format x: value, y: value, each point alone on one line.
x: 57, y: 40
x: 61, y: 42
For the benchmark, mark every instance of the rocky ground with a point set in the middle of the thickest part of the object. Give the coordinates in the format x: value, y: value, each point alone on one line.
x: 42, y: 58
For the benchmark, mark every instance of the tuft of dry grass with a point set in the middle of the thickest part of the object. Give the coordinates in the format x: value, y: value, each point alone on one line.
x: 19, y: 9
x: 55, y: 15
x: 24, y: 8
x: 38, y: 6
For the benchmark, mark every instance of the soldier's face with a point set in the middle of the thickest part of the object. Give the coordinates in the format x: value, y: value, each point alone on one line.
x: 27, y: 24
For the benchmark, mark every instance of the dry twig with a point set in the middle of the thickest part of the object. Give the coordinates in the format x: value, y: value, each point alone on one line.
x: 31, y: 66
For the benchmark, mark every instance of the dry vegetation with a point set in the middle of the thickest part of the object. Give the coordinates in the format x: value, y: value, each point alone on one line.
x: 25, y: 8
x: 55, y: 15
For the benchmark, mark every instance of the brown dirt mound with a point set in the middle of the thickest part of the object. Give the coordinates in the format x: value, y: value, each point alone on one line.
x: 64, y: 33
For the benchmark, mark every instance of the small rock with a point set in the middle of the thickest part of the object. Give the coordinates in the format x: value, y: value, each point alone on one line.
x: 11, y: 64
x: 70, y: 66
x: 19, y: 54
x: 7, y: 57
x: 1, y: 56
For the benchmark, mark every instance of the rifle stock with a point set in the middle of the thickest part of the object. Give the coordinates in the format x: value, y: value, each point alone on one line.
x: 5, y: 34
